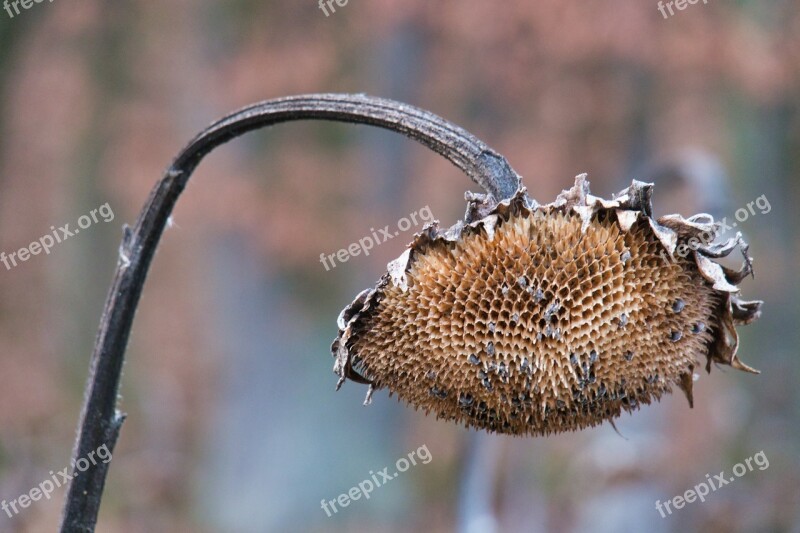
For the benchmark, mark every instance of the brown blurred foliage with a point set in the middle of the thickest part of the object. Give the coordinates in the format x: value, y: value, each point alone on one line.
x: 98, y: 96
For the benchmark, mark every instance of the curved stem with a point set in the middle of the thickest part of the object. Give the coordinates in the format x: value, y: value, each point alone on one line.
x: 483, y: 165
x: 100, y: 421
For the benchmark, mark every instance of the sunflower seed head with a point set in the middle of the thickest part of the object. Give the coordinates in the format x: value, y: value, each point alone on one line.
x: 601, y: 282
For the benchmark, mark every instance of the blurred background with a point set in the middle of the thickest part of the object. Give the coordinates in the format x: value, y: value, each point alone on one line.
x: 233, y: 423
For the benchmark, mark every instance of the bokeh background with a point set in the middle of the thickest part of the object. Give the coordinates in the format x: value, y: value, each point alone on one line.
x: 233, y: 423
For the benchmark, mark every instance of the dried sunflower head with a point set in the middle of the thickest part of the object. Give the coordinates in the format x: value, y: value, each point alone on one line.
x: 534, y: 319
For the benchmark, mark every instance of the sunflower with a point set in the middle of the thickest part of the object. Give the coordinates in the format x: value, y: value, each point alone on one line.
x: 531, y: 319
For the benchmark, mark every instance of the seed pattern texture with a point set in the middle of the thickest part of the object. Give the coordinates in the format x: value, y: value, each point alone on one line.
x: 534, y: 320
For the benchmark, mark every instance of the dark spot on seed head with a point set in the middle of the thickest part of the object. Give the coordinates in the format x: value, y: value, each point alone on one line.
x: 678, y: 305
x: 552, y: 310
x: 501, y: 369
x: 700, y: 327
x: 490, y: 348
x: 593, y: 356
x: 675, y: 336
x: 439, y: 393
x: 473, y: 359
x: 629, y: 355
x: 431, y: 375
x: 623, y: 320
x: 523, y: 281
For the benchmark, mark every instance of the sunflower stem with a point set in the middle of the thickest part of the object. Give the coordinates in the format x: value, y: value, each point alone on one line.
x: 100, y: 422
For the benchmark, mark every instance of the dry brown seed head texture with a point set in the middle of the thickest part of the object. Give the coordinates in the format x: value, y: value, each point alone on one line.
x: 528, y: 319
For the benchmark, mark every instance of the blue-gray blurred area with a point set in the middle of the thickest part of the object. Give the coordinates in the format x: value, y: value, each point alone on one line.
x: 233, y: 419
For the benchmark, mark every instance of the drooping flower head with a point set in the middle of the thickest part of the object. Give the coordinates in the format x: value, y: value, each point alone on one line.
x: 534, y: 319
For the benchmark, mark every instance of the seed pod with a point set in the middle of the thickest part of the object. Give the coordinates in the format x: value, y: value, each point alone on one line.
x: 550, y: 302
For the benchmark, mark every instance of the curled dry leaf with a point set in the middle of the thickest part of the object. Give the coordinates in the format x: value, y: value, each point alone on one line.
x: 534, y: 319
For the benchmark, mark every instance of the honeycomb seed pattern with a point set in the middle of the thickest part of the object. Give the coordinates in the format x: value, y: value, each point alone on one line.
x: 542, y: 328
